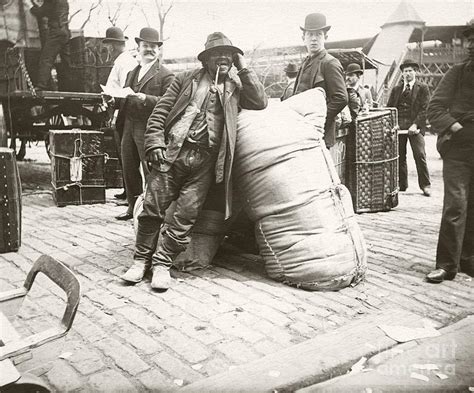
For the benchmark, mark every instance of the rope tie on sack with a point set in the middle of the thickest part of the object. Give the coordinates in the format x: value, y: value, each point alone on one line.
x: 75, y: 167
x: 377, y: 162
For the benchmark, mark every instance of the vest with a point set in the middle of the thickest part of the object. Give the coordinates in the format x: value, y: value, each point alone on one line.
x: 404, y: 109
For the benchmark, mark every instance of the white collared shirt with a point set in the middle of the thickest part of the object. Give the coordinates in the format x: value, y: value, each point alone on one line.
x: 123, y: 64
x: 144, y: 69
x: 409, y: 83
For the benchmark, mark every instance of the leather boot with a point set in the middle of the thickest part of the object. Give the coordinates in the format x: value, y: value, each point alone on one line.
x: 145, y: 245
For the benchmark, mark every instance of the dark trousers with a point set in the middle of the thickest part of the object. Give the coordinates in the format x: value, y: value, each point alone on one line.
x: 417, y: 143
x: 57, y: 42
x: 133, y: 155
x: 187, y: 182
x: 456, y: 235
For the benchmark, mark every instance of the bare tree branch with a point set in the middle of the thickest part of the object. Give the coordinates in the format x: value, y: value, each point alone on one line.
x: 91, y: 9
x: 73, y: 15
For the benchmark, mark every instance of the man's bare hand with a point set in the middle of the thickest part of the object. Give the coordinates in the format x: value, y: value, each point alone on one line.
x: 413, y: 130
x: 157, y: 155
x: 456, y: 127
x: 239, y: 61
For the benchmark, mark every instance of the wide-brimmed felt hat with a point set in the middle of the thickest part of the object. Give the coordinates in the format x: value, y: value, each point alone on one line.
x: 409, y: 63
x: 470, y: 28
x: 314, y: 22
x: 217, y: 40
x: 291, y: 68
x: 114, y: 34
x: 149, y: 34
x: 354, y: 68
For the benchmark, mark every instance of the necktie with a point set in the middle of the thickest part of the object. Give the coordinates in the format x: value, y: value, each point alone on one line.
x: 407, y: 89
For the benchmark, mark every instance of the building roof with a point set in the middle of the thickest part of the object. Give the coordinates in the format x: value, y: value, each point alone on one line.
x: 404, y: 13
x: 439, y: 33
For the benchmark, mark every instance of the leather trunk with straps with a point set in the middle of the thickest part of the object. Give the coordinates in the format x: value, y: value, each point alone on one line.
x: 77, y: 167
x: 10, y: 202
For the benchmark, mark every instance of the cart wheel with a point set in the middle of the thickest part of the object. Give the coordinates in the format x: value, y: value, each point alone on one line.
x: 55, y: 121
x: 26, y: 384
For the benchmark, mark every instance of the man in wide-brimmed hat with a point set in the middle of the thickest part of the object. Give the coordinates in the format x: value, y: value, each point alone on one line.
x: 451, y: 114
x: 364, y: 97
x: 320, y: 69
x: 149, y: 81
x: 411, y: 98
x: 190, y: 141
x: 291, y: 70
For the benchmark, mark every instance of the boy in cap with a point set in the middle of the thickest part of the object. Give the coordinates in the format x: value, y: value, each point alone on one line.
x: 291, y: 70
x: 411, y: 98
x: 149, y: 80
x: 190, y: 141
x: 353, y: 74
x: 320, y: 69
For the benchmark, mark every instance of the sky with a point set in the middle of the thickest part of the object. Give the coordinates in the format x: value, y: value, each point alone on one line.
x: 268, y: 23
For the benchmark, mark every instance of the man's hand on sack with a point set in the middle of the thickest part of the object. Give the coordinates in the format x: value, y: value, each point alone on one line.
x: 413, y: 130
x: 455, y: 127
x: 157, y: 155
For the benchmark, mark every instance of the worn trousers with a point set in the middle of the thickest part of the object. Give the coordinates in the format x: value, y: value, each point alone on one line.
x: 417, y: 143
x: 187, y: 182
x: 57, y: 42
x: 133, y: 155
x: 456, y: 234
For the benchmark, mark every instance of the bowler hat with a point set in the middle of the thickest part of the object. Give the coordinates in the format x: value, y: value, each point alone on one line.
x: 114, y: 34
x: 291, y: 68
x: 354, y: 68
x: 314, y: 22
x: 470, y: 28
x: 149, y: 34
x: 409, y: 63
x: 217, y: 40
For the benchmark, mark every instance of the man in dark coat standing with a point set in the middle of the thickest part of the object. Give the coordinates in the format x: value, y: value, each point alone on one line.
x: 190, y: 141
x: 57, y: 38
x: 411, y: 99
x: 320, y: 69
x: 149, y: 80
x: 451, y: 113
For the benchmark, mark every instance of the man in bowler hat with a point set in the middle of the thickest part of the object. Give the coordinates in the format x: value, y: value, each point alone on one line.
x: 364, y: 97
x: 291, y: 70
x: 451, y: 113
x: 411, y: 98
x: 190, y: 141
x: 320, y: 69
x: 149, y: 81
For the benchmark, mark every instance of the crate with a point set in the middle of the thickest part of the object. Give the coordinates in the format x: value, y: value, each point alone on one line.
x: 10, y: 202
x: 373, y: 174
x: 82, y: 150
x: 113, y: 169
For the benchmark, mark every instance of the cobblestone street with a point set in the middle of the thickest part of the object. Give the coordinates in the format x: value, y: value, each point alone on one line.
x: 128, y: 338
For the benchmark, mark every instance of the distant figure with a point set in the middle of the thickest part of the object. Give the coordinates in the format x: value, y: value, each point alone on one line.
x: 451, y: 113
x: 411, y: 99
x: 124, y: 62
x: 57, y: 38
x: 360, y: 98
x: 149, y: 80
x: 291, y: 70
x: 320, y: 69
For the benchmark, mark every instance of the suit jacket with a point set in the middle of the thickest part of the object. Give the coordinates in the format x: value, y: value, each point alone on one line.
x: 154, y: 85
x: 247, y: 93
x: 452, y: 101
x: 420, y: 97
x: 326, y: 72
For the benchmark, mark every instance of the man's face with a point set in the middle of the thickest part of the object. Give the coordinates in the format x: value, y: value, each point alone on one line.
x: 148, y: 51
x: 314, y: 40
x: 351, y: 79
x: 470, y: 46
x: 408, y: 74
x: 221, y: 58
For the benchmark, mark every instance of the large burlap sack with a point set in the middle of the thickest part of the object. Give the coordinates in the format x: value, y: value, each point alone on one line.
x: 206, y: 236
x: 305, y: 225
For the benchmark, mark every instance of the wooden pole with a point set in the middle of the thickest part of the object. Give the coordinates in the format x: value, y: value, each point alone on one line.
x: 3, y: 129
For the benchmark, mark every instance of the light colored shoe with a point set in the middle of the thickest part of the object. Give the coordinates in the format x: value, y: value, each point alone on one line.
x: 161, y: 277
x: 135, y: 273
x: 427, y: 191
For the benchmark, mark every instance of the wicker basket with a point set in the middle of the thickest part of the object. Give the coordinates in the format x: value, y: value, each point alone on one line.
x: 373, y: 175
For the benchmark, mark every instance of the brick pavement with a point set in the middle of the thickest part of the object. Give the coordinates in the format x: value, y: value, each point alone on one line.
x: 127, y: 338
